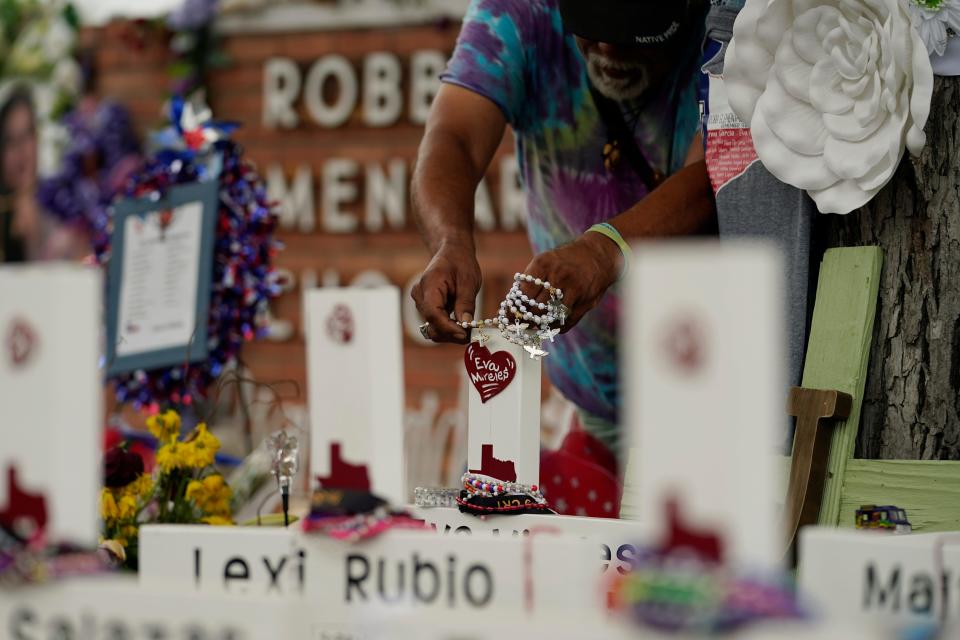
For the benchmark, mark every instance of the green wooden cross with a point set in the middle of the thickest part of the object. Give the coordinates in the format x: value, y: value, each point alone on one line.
x: 839, y: 350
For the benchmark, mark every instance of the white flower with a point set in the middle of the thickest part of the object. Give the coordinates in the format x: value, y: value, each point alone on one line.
x: 25, y: 57
x: 833, y: 90
x: 44, y: 40
x: 59, y: 38
x: 932, y: 18
x: 68, y: 76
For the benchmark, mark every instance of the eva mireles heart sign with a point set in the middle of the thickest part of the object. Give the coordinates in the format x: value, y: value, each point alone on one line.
x: 490, y: 373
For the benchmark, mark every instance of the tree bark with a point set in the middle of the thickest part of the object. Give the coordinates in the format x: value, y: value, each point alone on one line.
x: 911, y: 405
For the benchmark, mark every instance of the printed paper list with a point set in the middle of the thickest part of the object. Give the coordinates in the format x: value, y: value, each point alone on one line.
x: 158, y: 290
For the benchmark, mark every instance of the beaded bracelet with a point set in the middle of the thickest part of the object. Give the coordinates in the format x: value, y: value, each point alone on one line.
x: 435, y: 498
x: 518, y: 312
x: 515, y: 507
x: 483, y: 494
x: 480, y: 484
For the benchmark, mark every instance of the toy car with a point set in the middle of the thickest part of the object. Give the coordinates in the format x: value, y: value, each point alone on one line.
x: 887, y: 518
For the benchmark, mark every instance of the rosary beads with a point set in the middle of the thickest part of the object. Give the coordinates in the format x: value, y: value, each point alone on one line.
x: 524, y: 321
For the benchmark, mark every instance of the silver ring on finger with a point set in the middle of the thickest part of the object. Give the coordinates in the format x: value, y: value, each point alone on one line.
x: 425, y: 330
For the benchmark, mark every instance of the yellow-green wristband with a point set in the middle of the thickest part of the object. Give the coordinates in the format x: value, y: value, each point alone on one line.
x: 608, y: 230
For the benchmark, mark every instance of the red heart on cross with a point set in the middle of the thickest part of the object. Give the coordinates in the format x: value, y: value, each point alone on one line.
x: 490, y: 373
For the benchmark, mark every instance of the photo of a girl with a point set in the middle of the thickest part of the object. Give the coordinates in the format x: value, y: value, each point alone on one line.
x: 27, y: 232
x: 19, y: 214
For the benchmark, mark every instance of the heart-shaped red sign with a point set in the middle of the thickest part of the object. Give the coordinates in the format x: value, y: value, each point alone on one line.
x: 490, y: 373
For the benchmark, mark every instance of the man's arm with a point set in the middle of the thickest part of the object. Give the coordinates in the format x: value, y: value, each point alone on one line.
x: 462, y: 134
x: 682, y: 205
x: 588, y: 266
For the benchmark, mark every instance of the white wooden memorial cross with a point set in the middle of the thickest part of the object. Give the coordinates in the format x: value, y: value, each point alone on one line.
x: 355, y: 376
x: 705, y: 391
x: 51, y: 400
x: 503, y: 422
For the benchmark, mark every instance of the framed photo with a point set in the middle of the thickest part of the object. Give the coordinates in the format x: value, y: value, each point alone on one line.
x: 160, y: 278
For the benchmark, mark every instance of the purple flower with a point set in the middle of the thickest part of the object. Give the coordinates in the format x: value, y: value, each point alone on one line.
x: 103, y: 152
x: 121, y: 467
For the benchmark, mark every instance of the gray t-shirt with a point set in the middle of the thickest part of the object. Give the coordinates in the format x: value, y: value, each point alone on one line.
x: 750, y: 201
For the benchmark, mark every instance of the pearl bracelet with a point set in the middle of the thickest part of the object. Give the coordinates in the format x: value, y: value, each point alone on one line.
x: 435, y: 498
x: 516, y: 315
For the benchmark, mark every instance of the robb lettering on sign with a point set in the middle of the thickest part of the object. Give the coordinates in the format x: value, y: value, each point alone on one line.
x: 285, y: 84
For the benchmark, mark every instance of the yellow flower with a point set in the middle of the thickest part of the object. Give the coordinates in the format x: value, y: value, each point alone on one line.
x: 171, y: 456
x: 196, y: 492
x: 215, y: 484
x: 127, y: 507
x: 126, y: 535
x: 108, y: 506
x: 218, y: 521
x: 141, y: 488
x: 211, y: 495
x: 218, y: 508
x: 165, y: 427
x: 201, y: 448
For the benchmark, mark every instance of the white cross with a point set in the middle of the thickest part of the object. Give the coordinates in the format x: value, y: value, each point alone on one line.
x: 519, y: 328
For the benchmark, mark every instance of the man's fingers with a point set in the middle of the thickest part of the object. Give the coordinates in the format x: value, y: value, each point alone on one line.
x: 465, y: 305
x: 417, y: 294
x: 539, y: 293
x: 539, y: 270
x: 434, y: 310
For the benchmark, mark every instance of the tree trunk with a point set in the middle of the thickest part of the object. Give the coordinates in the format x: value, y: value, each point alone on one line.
x: 911, y: 406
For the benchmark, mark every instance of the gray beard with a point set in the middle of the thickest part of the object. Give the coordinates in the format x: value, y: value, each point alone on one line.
x: 618, y: 90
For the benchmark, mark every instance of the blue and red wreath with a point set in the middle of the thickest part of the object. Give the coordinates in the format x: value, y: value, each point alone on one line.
x: 244, y: 277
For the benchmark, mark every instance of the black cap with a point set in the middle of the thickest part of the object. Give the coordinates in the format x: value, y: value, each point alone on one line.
x: 625, y: 22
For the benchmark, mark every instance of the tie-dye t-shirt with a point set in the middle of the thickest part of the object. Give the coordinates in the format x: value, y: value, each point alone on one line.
x: 516, y: 53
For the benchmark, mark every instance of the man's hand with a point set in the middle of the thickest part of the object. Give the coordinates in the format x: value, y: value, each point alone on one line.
x: 583, y: 270
x: 463, y: 132
x: 450, y: 284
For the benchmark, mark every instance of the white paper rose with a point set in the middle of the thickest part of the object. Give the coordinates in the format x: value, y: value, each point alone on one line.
x: 833, y: 90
